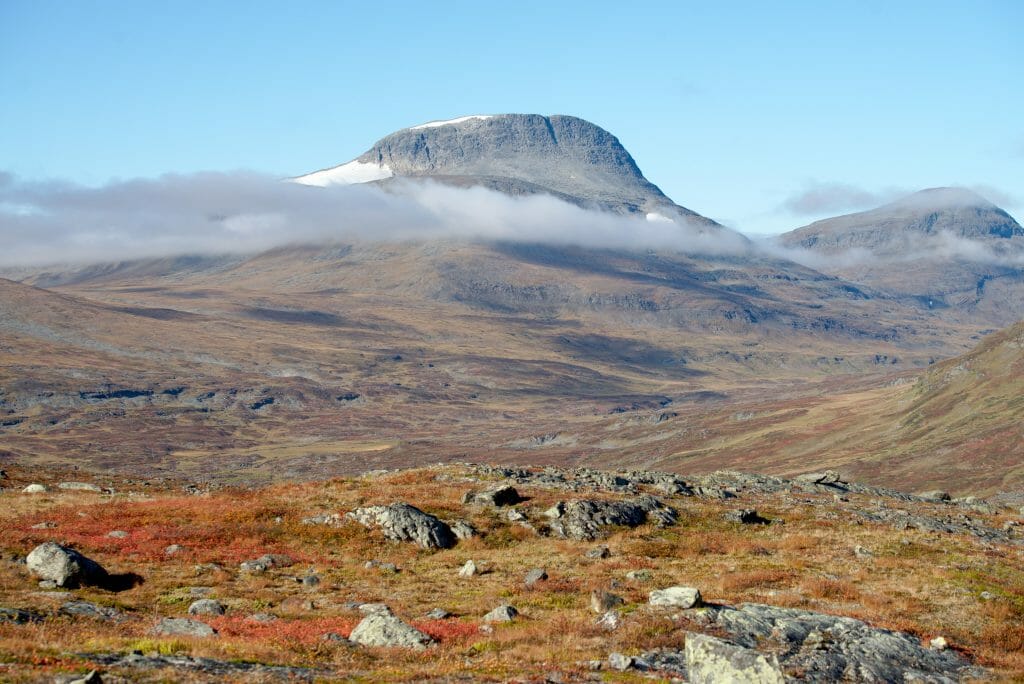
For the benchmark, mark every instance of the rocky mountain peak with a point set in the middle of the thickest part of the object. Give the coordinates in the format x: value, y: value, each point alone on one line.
x: 518, y: 154
x: 909, y: 222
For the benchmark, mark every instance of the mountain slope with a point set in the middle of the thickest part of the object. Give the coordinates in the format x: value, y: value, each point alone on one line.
x: 563, y: 156
x: 947, y: 247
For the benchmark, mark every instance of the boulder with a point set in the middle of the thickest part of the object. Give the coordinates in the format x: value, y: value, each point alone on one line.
x: 935, y: 495
x: 503, y: 613
x: 468, y: 570
x: 183, y: 627
x: 63, y: 566
x: 675, y: 597
x: 504, y: 495
x: 583, y: 519
x: 383, y: 628
x: 828, y: 477
x: 404, y: 522
x: 206, y: 607
x: 90, y: 610
x: 462, y: 529
x: 746, y: 516
x: 710, y: 660
x: 535, y: 575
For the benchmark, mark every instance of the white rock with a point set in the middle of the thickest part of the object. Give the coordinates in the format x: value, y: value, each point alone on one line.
x: 675, y: 597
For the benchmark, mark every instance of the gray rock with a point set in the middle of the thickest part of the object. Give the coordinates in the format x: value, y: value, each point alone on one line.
x: 93, y: 677
x: 503, y: 613
x: 935, y: 495
x: 504, y: 495
x: 602, y: 601
x: 462, y: 529
x: 609, y: 621
x: 261, y: 617
x: 862, y: 553
x: 18, y: 616
x: 620, y: 661
x: 746, y: 516
x: 598, y: 552
x: 44, y: 526
x: 90, y: 610
x: 334, y: 638
x: 403, y: 522
x: 310, y: 581
x: 331, y: 519
x: 173, y: 549
x: 829, y: 477
x: 383, y: 628
x: 827, y: 648
x: 535, y: 575
x: 206, y: 607
x: 79, y: 486
x: 266, y: 562
x: 438, y: 614
x: 675, y: 597
x: 35, y: 488
x: 712, y: 661
x: 468, y: 570
x: 583, y: 519
x: 183, y: 627
x: 639, y: 576
x: 117, y: 534
x: 65, y: 567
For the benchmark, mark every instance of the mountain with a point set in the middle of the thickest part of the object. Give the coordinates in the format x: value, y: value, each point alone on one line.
x: 894, y: 230
x: 949, y: 248
x: 519, y: 154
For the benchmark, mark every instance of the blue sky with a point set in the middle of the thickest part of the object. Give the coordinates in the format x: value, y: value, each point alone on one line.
x: 762, y: 115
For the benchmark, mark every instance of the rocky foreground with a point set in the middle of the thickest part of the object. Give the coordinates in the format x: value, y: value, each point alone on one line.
x: 490, y: 574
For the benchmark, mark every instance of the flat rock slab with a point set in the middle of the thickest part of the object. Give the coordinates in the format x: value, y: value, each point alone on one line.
x: 205, y: 666
x: 183, y: 627
x: 404, y: 522
x: 829, y: 648
x: 710, y: 660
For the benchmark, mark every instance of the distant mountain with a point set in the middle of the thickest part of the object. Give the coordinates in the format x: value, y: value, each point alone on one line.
x: 518, y: 154
x: 946, y: 247
x: 889, y: 230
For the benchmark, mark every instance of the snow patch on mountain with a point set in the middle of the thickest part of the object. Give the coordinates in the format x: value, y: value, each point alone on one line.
x: 347, y: 174
x: 448, y: 122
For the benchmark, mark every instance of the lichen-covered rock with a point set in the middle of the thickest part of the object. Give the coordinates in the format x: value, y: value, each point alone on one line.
x: 183, y: 627
x: 503, y: 613
x: 206, y: 607
x: 90, y: 610
x: 503, y: 495
x: 583, y: 519
x: 675, y: 597
x: 404, y: 522
x: 384, y: 628
x: 710, y: 660
x: 63, y: 566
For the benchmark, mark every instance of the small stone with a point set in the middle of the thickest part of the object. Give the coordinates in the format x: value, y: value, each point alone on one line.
x: 602, y: 601
x: 610, y: 621
x: 44, y: 526
x: 371, y: 608
x: 504, y: 495
x: 620, y: 662
x: 35, y: 489
x: 388, y: 568
x: 939, y: 643
x: 639, y: 576
x: 599, y: 552
x: 675, y: 597
x: 515, y: 516
x: 987, y: 596
x: 438, y: 614
x: 862, y: 553
x: 261, y: 617
x: 173, y: 549
x: 468, y: 570
x: 311, y: 581
x: 90, y: 610
x: 556, y: 511
x: 462, y: 530
x: 503, y: 613
x: 206, y: 607
x: 935, y: 495
x: 535, y: 575
x: 47, y: 584
x: 183, y: 627
x: 117, y: 534
x: 92, y: 678
x: 334, y: 637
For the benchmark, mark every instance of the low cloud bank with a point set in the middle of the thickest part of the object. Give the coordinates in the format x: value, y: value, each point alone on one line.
x: 224, y: 213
